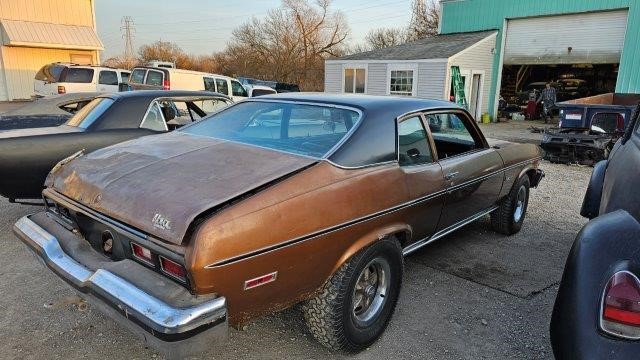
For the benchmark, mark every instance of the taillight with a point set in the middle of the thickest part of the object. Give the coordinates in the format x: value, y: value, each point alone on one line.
x: 173, y: 269
x: 620, y: 309
x: 166, y: 85
x: 61, y: 89
x: 620, y: 122
x: 142, y: 253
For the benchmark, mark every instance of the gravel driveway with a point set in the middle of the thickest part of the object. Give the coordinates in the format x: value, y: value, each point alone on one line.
x: 472, y: 295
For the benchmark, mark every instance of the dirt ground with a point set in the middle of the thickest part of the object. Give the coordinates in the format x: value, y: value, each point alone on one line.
x: 472, y: 295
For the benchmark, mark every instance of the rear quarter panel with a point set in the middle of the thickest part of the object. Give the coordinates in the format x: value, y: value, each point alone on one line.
x: 518, y: 159
x: 302, y: 228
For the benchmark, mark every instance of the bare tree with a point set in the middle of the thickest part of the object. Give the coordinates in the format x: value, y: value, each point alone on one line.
x: 385, y: 37
x: 289, y: 44
x: 425, y: 16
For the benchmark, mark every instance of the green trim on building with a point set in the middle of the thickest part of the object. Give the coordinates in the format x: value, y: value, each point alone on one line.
x: 475, y: 15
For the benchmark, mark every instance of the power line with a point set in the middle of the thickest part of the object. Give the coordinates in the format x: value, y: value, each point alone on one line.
x: 128, y: 34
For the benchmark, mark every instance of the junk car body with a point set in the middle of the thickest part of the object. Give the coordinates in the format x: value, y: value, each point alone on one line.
x: 276, y: 200
x: 588, y: 128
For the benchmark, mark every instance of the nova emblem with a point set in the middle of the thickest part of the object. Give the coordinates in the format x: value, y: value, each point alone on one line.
x: 160, y: 222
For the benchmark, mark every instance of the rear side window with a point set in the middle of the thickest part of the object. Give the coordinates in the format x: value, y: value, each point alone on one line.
x: 108, y: 77
x: 413, y: 148
x: 237, y: 89
x: 209, y: 84
x: 137, y: 76
x: 124, y: 76
x: 154, y: 78
x: 77, y: 75
x: 223, y: 87
x: 154, y: 120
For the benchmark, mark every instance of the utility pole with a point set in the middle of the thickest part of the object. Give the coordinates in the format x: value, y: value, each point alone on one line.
x: 128, y: 31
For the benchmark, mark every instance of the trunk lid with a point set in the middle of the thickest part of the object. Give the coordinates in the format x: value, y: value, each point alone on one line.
x: 160, y: 184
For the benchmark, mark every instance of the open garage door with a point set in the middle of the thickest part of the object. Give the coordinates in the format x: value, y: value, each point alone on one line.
x: 593, y: 38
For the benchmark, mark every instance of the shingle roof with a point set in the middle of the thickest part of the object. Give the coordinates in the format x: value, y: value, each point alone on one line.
x: 435, y: 47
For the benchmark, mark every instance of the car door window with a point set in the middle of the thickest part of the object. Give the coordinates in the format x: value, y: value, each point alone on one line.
x: 124, y: 76
x: 223, y: 87
x: 237, y: 89
x: 209, y: 84
x: 154, y: 78
x: 153, y: 119
x: 413, y: 146
x: 108, y: 77
x: 451, y: 134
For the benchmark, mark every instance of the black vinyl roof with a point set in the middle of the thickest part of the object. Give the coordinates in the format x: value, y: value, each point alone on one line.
x: 365, y: 103
x: 374, y: 139
x: 435, y: 47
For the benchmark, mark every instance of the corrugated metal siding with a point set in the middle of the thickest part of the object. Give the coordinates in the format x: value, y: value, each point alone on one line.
x: 431, y: 79
x: 21, y: 65
x: 332, y: 77
x: 593, y: 37
x: 377, y: 79
x: 39, y: 34
x: 475, y: 15
x: 67, y: 12
x: 479, y: 58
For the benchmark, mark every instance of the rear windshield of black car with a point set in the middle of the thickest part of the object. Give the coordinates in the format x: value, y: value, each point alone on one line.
x: 307, y: 130
x: 76, y: 75
x: 90, y: 113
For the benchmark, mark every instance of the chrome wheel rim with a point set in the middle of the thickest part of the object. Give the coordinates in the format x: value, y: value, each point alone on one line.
x: 521, y: 201
x: 370, y: 292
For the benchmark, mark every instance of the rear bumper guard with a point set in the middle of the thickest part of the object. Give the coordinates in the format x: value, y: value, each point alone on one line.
x: 165, y: 322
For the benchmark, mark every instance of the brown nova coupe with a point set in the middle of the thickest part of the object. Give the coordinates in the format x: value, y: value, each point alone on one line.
x: 274, y: 201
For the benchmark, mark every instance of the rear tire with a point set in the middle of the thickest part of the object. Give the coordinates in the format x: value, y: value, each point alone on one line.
x: 509, y: 216
x: 357, y: 302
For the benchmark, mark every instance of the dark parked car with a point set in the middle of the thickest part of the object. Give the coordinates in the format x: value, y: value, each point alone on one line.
x: 597, y: 309
x: 274, y: 201
x: 46, y: 111
x: 27, y: 155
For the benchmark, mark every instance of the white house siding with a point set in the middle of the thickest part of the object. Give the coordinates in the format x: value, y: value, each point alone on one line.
x: 477, y: 59
x: 377, y: 79
x: 332, y: 77
x: 431, y: 79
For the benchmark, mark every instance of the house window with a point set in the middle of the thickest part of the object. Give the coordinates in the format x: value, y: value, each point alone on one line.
x: 354, y: 81
x: 401, y: 82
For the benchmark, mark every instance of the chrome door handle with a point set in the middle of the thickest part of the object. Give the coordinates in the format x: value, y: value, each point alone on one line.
x: 450, y: 176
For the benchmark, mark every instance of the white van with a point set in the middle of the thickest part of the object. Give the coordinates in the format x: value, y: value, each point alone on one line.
x: 62, y: 78
x: 157, y: 78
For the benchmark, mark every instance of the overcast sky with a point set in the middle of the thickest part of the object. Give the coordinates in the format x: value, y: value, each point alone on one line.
x: 204, y: 27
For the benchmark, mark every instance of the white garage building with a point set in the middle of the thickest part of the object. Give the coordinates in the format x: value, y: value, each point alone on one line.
x: 421, y: 68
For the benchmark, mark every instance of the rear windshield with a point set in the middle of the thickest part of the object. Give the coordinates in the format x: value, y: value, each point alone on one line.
x: 50, y: 72
x: 308, y: 130
x: 76, y: 75
x: 90, y: 113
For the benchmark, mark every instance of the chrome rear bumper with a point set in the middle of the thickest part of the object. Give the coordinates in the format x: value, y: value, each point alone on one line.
x: 156, y: 317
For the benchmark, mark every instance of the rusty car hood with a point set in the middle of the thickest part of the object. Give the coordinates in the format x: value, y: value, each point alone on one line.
x: 160, y: 184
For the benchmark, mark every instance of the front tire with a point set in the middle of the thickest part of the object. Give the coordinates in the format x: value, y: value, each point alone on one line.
x: 357, y: 302
x: 509, y: 216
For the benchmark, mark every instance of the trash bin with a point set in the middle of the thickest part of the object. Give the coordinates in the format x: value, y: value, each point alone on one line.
x: 486, y: 118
